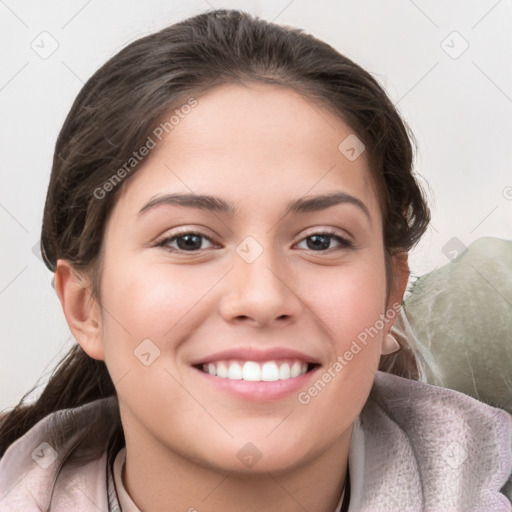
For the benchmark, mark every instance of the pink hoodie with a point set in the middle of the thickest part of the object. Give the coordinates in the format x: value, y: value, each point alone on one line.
x: 415, y: 447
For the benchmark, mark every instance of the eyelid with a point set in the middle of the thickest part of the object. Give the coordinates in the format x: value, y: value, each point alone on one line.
x: 167, y: 237
x: 185, y: 230
x: 344, y: 241
x: 326, y: 231
x: 163, y: 240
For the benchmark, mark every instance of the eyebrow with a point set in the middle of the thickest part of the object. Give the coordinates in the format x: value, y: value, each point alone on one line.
x: 304, y: 204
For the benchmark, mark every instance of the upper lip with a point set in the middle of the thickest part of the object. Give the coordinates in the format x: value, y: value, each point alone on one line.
x: 256, y: 354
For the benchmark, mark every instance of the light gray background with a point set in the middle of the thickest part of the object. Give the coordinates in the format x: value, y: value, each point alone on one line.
x: 459, y: 107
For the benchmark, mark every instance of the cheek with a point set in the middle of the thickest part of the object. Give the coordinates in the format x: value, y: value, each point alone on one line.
x: 351, y: 303
x: 150, y: 301
x: 349, y: 299
x: 148, y: 309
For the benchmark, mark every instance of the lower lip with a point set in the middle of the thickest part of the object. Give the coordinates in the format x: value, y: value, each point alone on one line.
x: 259, y: 390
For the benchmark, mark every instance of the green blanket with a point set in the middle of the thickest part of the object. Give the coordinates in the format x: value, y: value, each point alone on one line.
x: 459, y: 317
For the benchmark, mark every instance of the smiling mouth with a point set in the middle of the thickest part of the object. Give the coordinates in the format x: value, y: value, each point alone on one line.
x: 252, y: 371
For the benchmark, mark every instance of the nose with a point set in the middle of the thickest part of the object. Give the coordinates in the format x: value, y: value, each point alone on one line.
x: 260, y: 292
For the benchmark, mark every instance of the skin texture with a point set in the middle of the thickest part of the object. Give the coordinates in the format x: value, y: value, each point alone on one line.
x: 258, y: 147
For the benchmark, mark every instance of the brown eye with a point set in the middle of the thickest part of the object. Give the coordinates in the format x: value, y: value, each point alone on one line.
x: 325, y: 241
x: 185, y: 242
x: 189, y: 242
x: 319, y: 242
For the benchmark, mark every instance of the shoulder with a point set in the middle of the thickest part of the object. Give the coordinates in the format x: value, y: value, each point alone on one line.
x: 409, y: 400
x: 437, y: 448
x: 61, y: 460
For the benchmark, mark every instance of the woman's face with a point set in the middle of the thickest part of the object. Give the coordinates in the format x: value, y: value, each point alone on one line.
x: 248, y: 245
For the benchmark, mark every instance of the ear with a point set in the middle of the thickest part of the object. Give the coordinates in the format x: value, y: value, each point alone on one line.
x: 397, y: 287
x: 81, y: 310
x: 399, y: 279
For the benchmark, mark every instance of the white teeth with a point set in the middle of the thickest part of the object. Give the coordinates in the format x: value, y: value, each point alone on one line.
x: 268, y: 371
x: 295, y: 370
x: 222, y: 370
x: 284, y: 371
x: 235, y: 371
x: 251, y: 371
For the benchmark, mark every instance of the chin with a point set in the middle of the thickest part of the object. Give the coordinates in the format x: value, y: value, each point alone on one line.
x: 251, y: 458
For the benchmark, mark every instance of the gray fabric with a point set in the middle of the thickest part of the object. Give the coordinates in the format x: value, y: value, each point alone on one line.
x: 403, y: 455
x: 425, y: 448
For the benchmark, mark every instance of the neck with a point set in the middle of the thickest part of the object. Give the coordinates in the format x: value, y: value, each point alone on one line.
x: 315, y: 484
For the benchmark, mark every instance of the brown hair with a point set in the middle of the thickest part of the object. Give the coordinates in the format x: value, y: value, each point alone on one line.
x: 116, y: 111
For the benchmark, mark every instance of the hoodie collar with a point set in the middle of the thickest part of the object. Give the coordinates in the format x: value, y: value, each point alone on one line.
x: 414, y: 448
x: 417, y: 447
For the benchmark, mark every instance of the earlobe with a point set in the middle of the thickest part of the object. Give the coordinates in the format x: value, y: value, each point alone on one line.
x: 81, y: 310
x: 390, y: 345
x: 397, y: 290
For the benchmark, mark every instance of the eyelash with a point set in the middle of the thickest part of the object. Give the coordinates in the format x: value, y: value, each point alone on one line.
x: 344, y: 242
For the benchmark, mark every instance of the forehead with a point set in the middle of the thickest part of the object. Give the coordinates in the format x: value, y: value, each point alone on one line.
x: 255, y: 141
